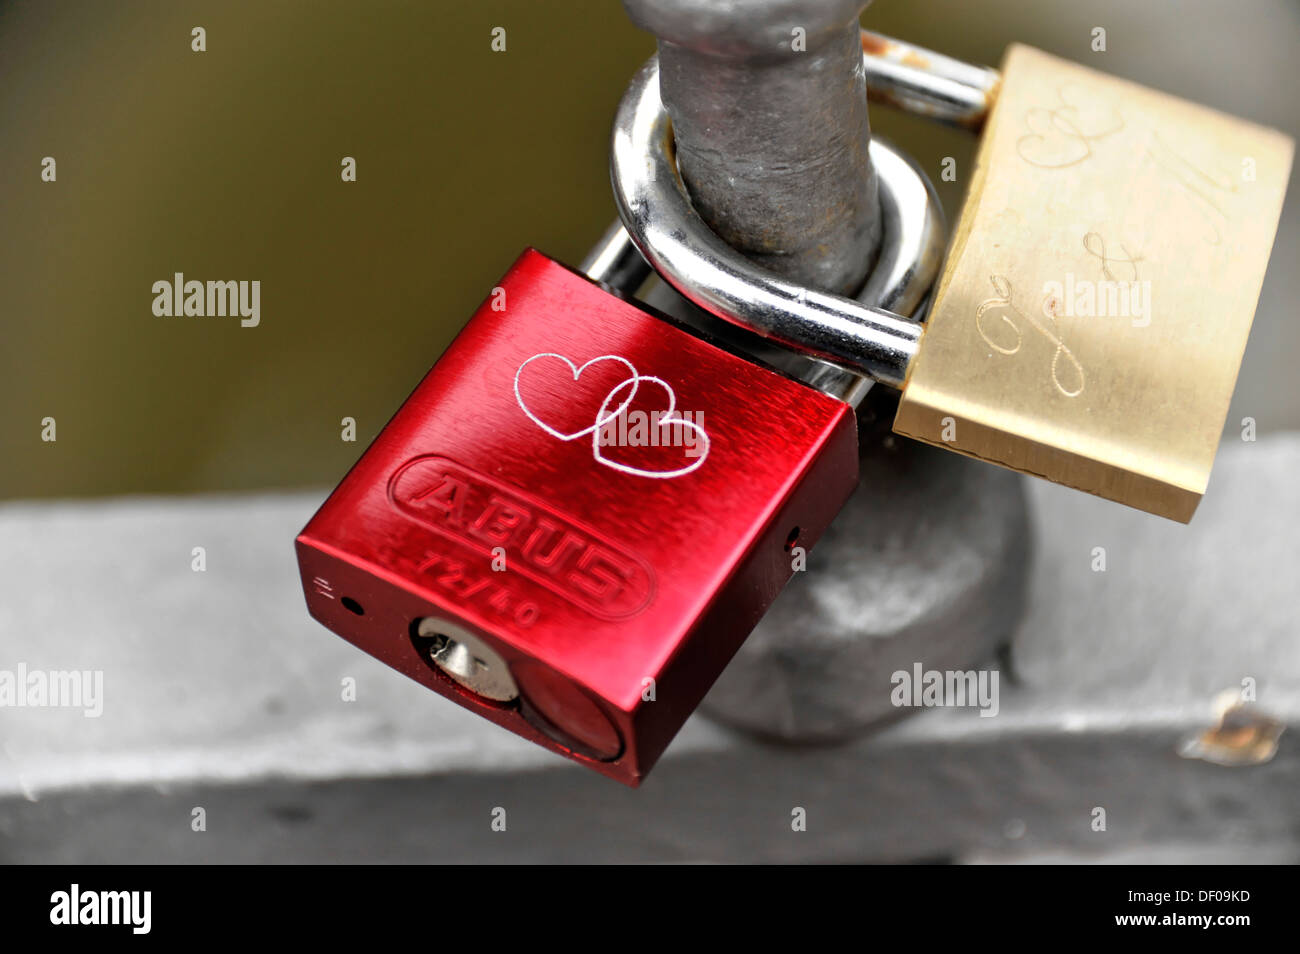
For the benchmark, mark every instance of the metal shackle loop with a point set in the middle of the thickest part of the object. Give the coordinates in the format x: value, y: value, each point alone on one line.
x: 656, y: 211
x: 926, y: 83
x: 869, y: 335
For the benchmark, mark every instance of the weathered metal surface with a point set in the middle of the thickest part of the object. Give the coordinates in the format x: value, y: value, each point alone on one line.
x: 926, y: 563
x: 926, y: 83
x: 769, y: 110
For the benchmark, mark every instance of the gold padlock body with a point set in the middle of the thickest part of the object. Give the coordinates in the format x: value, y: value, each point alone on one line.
x: 1095, y: 304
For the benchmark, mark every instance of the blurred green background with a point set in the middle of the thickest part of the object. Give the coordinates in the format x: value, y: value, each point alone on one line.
x: 225, y: 165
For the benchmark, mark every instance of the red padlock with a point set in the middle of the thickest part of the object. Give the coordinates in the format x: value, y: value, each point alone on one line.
x: 577, y: 517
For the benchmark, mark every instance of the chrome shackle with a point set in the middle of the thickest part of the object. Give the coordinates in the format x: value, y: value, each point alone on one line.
x: 873, y: 334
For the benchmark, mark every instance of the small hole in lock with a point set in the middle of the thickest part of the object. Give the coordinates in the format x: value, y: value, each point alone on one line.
x: 352, y: 606
x: 792, y: 539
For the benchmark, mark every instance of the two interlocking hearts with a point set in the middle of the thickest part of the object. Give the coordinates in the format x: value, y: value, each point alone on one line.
x: 562, y: 400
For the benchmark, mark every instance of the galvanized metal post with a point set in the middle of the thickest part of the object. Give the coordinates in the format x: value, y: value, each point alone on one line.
x: 769, y: 109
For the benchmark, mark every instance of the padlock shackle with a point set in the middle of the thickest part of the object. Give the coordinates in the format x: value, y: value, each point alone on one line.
x: 929, y: 84
x: 655, y: 208
x: 615, y: 262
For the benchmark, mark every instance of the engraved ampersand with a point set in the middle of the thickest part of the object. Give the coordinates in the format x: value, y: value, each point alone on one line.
x: 1095, y: 245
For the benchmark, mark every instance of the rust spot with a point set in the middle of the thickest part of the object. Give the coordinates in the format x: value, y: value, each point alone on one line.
x: 913, y: 58
x: 873, y: 44
x: 1244, y: 736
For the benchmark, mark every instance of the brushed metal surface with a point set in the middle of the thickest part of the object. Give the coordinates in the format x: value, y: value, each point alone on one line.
x: 490, y: 500
x: 1104, y: 275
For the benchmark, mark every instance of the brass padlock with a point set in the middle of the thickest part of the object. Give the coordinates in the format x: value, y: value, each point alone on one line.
x: 1101, y: 283
x: 1099, y: 288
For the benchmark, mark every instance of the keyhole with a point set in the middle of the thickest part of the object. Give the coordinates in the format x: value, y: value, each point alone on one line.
x: 464, y: 658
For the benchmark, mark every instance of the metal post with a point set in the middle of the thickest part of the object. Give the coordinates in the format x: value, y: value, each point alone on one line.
x: 769, y: 110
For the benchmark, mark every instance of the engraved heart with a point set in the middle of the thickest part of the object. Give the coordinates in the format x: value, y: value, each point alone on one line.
x: 1063, y: 135
x: 660, y: 443
x: 1052, y: 142
x: 559, y: 400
